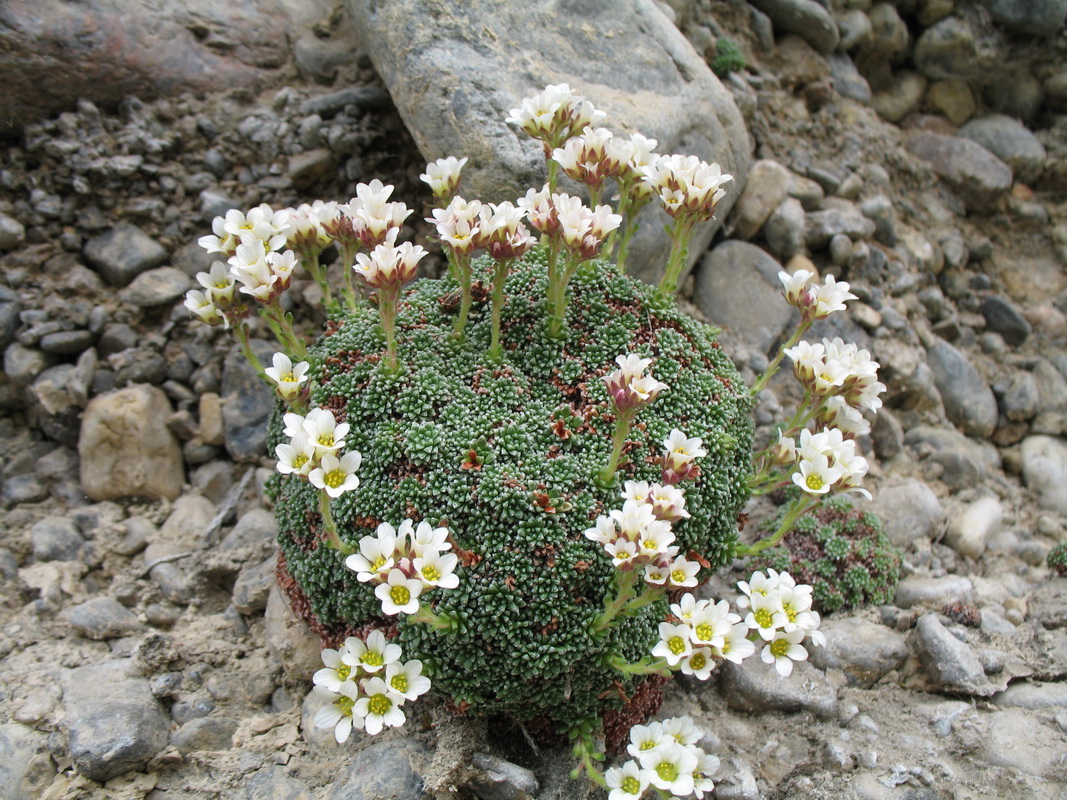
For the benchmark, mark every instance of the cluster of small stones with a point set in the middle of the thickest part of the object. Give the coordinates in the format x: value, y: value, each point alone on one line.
x: 144, y: 649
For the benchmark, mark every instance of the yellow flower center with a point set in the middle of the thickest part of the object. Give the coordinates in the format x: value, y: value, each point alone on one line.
x: 300, y: 461
x: 647, y: 744
x: 704, y: 632
x: 631, y: 785
x: 622, y: 555
x: 288, y: 377
x: 790, y: 614
x: 326, y: 440
x: 335, y: 478
x: 344, y: 705
x: 343, y: 672
x: 678, y: 576
x: 778, y: 647
x: 814, y: 482
x: 764, y: 618
x: 431, y: 573
x: 379, y: 704
x: 667, y: 771
x: 399, y: 682
x: 676, y: 644
x: 698, y: 662
x: 400, y: 595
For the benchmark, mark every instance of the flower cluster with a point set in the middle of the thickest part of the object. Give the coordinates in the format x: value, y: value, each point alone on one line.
x: 404, y: 562
x: 815, y: 301
x: 628, y: 386
x: 826, y: 461
x: 664, y: 755
x: 288, y: 377
x: 366, y: 686
x: 314, y: 451
x: 555, y: 115
x: 779, y: 617
x: 640, y: 533
x: 689, y: 188
x: 834, y: 369
x: 442, y: 176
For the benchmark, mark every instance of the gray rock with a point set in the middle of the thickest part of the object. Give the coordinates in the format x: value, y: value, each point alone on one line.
x: 975, y: 174
x: 973, y: 526
x: 969, y: 402
x: 887, y: 434
x: 910, y: 510
x: 841, y: 217
x: 253, y: 585
x: 308, y: 168
x: 195, y: 707
x: 115, y: 339
x: 455, y: 79
x: 964, y: 462
x: 289, y: 638
x: 766, y: 188
x: 1033, y: 696
x: 65, y: 342
x: 365, y: 98
x: 123, y: 253
x: 502, y: 780
x: 953, y: 98
x: 156, y: 287
x: 863, y: 650
x: 848, y: 82
x: 247, y: 404
x: 12, y: 233
x: 949, y: 664
x: 1020, y: 742
x: 1049, y: 606
x: 1020, y: 397
x: 964, y: 45
x: 1034, y: 17
x: 1011, y: 142
x: 113, y: 721
x: 23, y: 364
x: 26, y: 768
x: 205, y: 733
x: 1051, y: 415
x: 385, y: 771
x: 10, y: 308
x: 254, y: 529
x: 56, y: 539
x: 1014, y: 94
x: 23, y: 489
x: 126, y: 448
x: 916, y: 590
x: 738, y: 289
x: 275, y: 783
x: 855, y: 29
x: 103, y: 618
x: 756, y: 686
x: 900, y: 97
x: 879, y: 210
x: 1004, y: 318
x: 1044, y: 468
x: 784, y: 229
x: 806, y: 18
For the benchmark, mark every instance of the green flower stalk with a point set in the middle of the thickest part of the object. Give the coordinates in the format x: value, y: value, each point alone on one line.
x: 458, y: 229
x: 502, y: 234
x: 442, y: 176
x: 386, y: 269
x: 629, y: 390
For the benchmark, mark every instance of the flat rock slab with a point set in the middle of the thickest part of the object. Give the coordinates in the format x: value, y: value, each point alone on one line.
x: 863, y: 650
x: 126, y: 448
x: 455, y: 70
x: 950, y: 665
x: 755, y: 686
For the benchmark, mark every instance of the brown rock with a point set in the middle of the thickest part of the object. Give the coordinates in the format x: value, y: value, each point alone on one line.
x: 975, y: 174
x: 126, y: 448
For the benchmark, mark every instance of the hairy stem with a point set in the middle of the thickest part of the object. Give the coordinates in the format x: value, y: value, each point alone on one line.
x: 626, y: 582
x: 800, y: 507
x: 622, y: 429
x: 772, y: 368
x: 329, y: 525
x: 496, y: 351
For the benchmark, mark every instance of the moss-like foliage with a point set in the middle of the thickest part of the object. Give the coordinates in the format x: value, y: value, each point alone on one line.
x: 842, y: 552
x: 1057, y: 559
x: 505, y: 455
x: 728, y: 58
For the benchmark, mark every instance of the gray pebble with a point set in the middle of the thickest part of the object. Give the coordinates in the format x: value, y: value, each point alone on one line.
x: 193, y: 708
x: 916, y: 590
x: 156, y: 287
x: 756, y: 686
x: 502, y: 780
x: 949, y: 663
x: 253, y: 585
x: 969, y: 402
x: 103, y: 618
x: 23, y: 489
x: 863, y: 650
x: 205, y: 733
x: 12, y: 233
x: 56, y: 539
x: 123, y: 253
x: 384, y: 771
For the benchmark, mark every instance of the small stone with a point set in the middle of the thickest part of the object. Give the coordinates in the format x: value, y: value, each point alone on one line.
x: 806, y: 18
x: 211, y: 429
x: 974, y: 526
x: 156, y: 287
x: 848, y: 82
x: 126, y: 448
x: 1017, y: 741
x: 1029, y: 17
x: 172, y: 582
x: 253, y: 530
x: 765, y: 189
x: 56, y: 539
x: 1020, y: 397
x: 953, y: 98
x: 855, y: 28
x: 969, y: 402
x: 25, y: 753
x: 901, y: 98
x: 205, y: 733
x: 310, y: 167
x: 162, y: 615
x: 23, y: 364
x: 910, y: 511
x: 784, y: 229
x: 916, y: 590
x: 23, y: 489
x: 975, y: 174
x: 1011, y: 142
x: 113, y: 721
x: 327, y: 106
x: 65, y: 342
x: 103, y: 618
x: 964, y: 462
x: 756, y: 686
x: 964, y: 46
x: 383, y: 771
x: 1044, y: 469
x: 253, y: 585
x: 193, y: 708
x: 949, y: 663
x: 887, y: 434
x: 863, y: 650
x: 1033, y: 696
x: 502, y: 780
x: 12, y: 233
x: 247, y: 404
x: 275, y: 783
x: 841, y: 217
x: 289, y: 637
x: 123, y: 253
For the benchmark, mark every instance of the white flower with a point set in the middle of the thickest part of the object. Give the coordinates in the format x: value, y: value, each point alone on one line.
x: 783, y: 650
x: 501, y: 232
x: 623, y: 553
x: 796, y: 605
x: 437, y: 569
x: 222, y: 241
x: 379, y: 708
x: 670, y: 768
x: 683, y: 572
x: 399, y: 594
x: 687, y: 606
x: 336, y: 671
x: 336, y: 476
x: 656, y: 540
x: 339, y: 714
x: 830, y: 297
x: 294, y: 424
x: 699, y: 663
x: 765, y: 615
x: 668, y: 502
x: 656, y: 575
x: 634, y: 518
x: 406, y: 681
x: 376, y: 555
x: 646, y: 737
x: 426, y: 538
x: 442, y: 175
x: 457, y: 224
x: 637, y: 491
x: 816, y: 476
x: 604, y: 533
x: 687, y: 186
x: 201, y: 304
x: 736, y: 646
x: 682, y: 729
x: 218, y: 282
x: 807, y: 359
x: 372, y: 655
x: 323, y: 431
x: 389, y: 265
x: 288, y: 376
x: 760, y: 583
x: 839, y: 414
x: 540, y: 209
x: 554, y: 115
x: 711, y: 623
x: 673, y: 644
x: 297, y: 457
x: 306, y: 232
x: 796, y: 286
x: 679, y: 450
x: 707, y: 765
x: 627, y: 782
x: 628, y: 387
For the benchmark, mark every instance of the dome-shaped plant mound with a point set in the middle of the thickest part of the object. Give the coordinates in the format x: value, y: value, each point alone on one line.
x: 506, y: 455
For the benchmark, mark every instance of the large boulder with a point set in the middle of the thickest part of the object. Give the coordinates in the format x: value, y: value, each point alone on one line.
x: 455, y: 70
